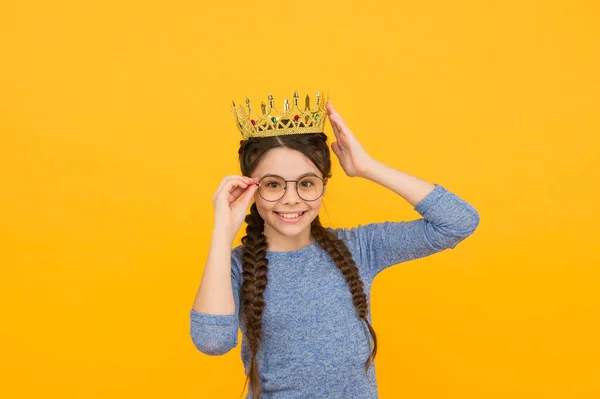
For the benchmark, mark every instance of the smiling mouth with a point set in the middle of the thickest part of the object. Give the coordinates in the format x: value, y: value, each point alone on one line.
x: 290, y: 216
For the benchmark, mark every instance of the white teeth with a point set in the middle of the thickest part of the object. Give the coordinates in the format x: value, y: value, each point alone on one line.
x: 289, y: 215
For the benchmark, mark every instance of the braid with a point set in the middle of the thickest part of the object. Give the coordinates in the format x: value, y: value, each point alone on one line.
x: 342, y: 257
x: 254, y: 284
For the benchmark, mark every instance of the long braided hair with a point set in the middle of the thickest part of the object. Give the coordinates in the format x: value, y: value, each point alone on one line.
x: 314, y: 146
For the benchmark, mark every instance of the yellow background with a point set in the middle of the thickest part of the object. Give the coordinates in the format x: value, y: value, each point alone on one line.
x: 115, y: 131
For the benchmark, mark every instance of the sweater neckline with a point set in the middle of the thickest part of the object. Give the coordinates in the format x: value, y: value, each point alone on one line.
x: 285, y: 253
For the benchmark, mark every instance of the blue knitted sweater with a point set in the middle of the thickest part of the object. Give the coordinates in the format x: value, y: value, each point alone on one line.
x: 313, y: 343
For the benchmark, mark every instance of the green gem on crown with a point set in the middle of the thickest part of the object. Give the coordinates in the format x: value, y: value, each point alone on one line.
x: 317, y: 116
x: 273, y: 119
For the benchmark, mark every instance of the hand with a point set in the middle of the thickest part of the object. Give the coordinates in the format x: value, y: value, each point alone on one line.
x: 353, y: 158
x: 230, y: 213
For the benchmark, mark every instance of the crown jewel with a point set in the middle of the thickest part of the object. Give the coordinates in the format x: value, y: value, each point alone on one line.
x: 274, y: 123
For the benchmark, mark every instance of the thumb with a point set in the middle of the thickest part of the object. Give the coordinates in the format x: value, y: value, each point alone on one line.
x: 335, y: 148
x: 249, y: 195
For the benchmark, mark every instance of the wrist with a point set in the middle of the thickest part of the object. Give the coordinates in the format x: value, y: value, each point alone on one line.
x: 369, y: 169
x: 224, y: 233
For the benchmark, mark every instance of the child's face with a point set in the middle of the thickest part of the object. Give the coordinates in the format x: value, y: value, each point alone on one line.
x: 289, y: 164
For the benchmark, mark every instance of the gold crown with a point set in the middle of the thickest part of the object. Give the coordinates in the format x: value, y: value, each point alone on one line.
x: 275, y: 123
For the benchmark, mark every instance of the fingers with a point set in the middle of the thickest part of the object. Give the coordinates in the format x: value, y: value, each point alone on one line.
x: 335, y: 147
x: 335, y: 127
x: 249, y: 195
x: 336, y: 121
x: 330, y: 108
x: 333, y: 114
x: 232, y: 187
x: 235, y: 190
x: 226, y: 179
x: 232, y: 177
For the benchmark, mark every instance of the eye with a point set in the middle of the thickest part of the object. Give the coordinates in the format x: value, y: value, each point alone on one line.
x: 272, y: 184
x: 307, y: 183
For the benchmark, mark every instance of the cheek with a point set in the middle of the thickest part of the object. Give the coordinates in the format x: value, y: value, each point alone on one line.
x: 316, y: 205
x: 263, y: 206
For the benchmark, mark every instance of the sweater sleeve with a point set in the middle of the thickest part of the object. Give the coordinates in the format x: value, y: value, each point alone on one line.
x: 217, y: 334
x: 447, y: 220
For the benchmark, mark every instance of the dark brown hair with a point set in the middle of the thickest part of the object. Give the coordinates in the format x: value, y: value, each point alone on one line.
x: 251, y: 151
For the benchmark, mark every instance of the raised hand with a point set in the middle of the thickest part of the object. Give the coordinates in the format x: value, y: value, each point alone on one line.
x: 353, y: 158
x: 229, y: 212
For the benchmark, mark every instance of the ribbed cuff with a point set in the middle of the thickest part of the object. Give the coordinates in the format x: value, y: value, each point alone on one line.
x: 207, y: 318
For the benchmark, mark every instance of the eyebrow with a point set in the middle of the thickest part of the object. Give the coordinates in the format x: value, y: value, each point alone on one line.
x: 299, y: 177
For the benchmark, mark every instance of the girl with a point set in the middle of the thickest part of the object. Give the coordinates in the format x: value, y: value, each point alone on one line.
x: 300, y: 292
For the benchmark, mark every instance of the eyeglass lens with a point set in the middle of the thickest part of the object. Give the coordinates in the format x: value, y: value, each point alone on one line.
x: 309, y: 188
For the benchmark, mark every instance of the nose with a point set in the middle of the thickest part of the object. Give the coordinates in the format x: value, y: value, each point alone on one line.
x: 290, y: 195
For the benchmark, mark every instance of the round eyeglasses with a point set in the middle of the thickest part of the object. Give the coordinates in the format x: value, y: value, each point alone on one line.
x: 309, y: 188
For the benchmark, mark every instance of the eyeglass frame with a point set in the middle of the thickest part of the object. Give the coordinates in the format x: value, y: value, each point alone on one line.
x: 295, y: 186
